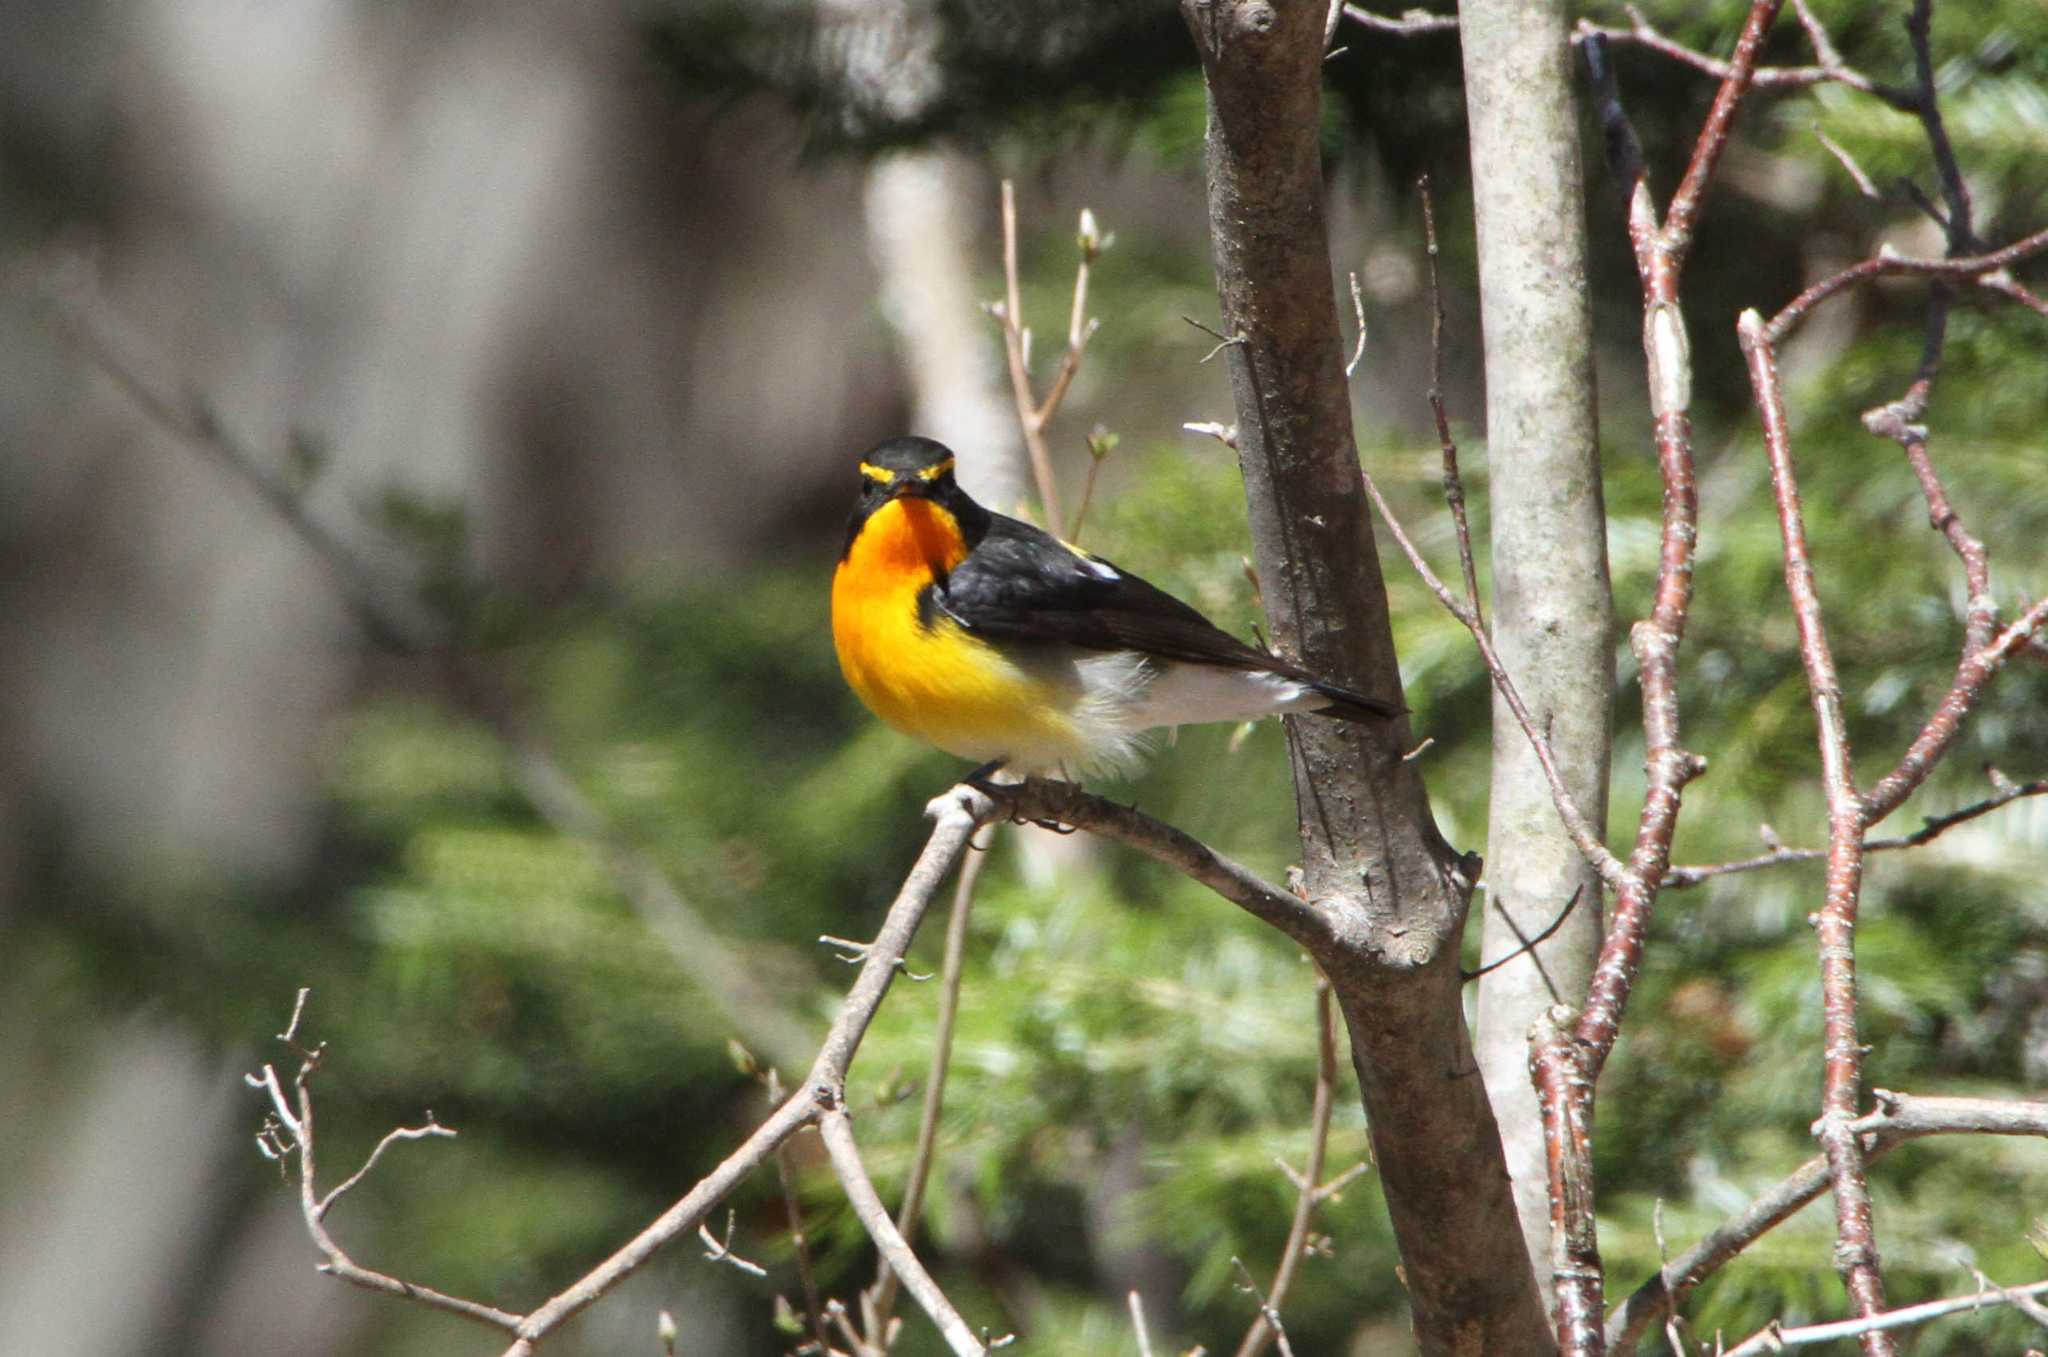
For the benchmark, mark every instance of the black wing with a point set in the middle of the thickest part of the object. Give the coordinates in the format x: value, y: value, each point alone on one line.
x: 1020, y: 583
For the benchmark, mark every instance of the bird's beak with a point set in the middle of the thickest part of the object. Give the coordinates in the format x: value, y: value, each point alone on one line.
x: 908, y: 487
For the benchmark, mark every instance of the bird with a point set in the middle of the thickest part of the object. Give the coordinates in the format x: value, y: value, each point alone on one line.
x: 998, y: 642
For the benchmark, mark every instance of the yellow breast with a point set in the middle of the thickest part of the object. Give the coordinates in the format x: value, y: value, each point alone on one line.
x: 937, y: 682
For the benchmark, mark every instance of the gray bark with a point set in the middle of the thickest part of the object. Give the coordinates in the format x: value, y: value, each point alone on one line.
x: 1373, y: 860
x: 1553, y: 613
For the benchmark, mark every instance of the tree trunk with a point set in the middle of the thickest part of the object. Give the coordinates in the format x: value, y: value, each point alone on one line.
x: 1553, y: 612
x: 1371, y: 854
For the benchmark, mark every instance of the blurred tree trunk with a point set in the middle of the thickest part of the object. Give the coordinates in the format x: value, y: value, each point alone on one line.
x: 921, y: 230
x: 1553, y: 612
x: 1371, y: 853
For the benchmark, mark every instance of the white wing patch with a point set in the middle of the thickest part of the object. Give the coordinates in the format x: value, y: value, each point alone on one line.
x: 1189, y: 694
x: 1102, y: 570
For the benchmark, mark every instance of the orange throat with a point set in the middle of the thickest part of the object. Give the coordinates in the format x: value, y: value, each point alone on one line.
x: 902, y: 548
x: 932, y: 680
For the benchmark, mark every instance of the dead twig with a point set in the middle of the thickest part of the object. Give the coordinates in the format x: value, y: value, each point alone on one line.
x: 1454, y: 485
x: 290, y: 1132
x: 1311, y: 1191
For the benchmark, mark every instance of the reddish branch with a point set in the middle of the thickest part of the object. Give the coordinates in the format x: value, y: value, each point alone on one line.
x: 1660, y: 250
x: 1975, y: 268
x: 1567, y: 1067
x: 1564, y: 1091
x: 1856, y: 1254
x: 1829, y: 68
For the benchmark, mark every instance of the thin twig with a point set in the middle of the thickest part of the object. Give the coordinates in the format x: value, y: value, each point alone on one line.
x: 295, y: 1115
x: 1035, y: 412
x: 799, y: 1238
x: 1933, y: 827
x: 1223, y: 341
x: 1358, y: 314
x: 1137, y: 1307
x: 1899, y: 1118
x: 1964, y: 268
x: 1454, y: 485
x: 1020, y: 378
x: 430, y: 1130
x: 1972, y: 675
x: 1863, y: 182
x: 1311, y: 1192
x: 1409, y: 24
x: 1776, y: 1337
x: 1528, y: 945
x: 720, y: 1250
x: 1856, y: 1254
x: 1575, y: 822
x: 1829, y: 69
x: 1267, y: 1313
x: 1955, y: 190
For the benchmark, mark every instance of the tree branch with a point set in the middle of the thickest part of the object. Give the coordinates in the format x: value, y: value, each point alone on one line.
x: 1388, y: 893
x: 1931, y: 828
x: 1775, y: 1338
x: 1965, y: 268
x: 1034, y: 412
x: 881, y: 1297
x: 1899, y: 1118
x: 837, y: 1130
x: 296, y: 1138
x: 1829, y: 67
x: 1856, y: 1253
x: 1311, y: 1191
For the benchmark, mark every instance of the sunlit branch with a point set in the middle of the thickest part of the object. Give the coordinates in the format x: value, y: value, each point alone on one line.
x: 1899, y: 1118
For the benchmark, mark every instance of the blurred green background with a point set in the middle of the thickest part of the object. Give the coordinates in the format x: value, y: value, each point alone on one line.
x: 585, y: 312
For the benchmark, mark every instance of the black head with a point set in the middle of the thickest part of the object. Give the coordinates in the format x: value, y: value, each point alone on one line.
x: 912, y: 467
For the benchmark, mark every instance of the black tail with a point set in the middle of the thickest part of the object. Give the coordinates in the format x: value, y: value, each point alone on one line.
x: 1346, y: 705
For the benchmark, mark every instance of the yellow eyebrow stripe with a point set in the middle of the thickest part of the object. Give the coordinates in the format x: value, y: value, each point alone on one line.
x: 883, y: 476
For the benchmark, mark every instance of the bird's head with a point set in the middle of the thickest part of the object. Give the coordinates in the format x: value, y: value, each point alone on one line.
x: 915, y: 470
x: 906, y: 467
